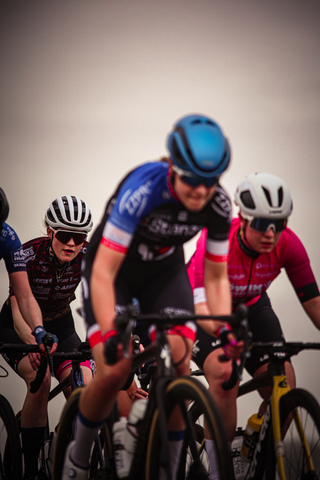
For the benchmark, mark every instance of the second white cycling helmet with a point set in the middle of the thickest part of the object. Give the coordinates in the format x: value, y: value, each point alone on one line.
x: 69, y: 212
x: 262, y: 195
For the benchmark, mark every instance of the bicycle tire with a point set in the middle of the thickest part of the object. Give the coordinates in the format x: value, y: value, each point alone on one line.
x: 177, y: 393
x: 65, y: 434
x: 10, y: 446
x: 295, y: 459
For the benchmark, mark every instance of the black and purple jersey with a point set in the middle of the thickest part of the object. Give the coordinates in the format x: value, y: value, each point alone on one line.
x: 53, y: 294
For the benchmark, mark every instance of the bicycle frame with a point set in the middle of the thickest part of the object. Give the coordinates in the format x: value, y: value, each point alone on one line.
x: 280, y: 387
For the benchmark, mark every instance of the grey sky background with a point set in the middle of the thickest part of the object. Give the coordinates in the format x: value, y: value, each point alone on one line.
x: 89, y: 89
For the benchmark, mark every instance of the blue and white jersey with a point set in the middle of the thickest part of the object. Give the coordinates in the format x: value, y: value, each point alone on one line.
x: 11, y: 250
x: 145, y: 218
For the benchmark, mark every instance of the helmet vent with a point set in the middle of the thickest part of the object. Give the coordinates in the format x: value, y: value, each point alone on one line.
x: 280, y: 197
x: 176, y: 153
x: 247, y: 199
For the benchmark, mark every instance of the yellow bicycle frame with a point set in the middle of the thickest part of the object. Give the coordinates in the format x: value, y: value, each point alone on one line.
x: 280, y: 388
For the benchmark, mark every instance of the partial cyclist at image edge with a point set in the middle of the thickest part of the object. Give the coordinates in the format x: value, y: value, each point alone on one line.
x: 261, y: 245
x: 12, y: 252
x: 53, y: 264
x: 137, y: 252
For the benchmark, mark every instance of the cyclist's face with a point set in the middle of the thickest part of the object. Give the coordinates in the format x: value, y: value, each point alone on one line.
x: 260, y: 242
x: 65, y: 252
x: 193, y: 198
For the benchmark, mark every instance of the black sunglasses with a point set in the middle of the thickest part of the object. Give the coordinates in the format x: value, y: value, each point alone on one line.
x: 262, y: 225
x: 194, y: 180
x: 64, y: 236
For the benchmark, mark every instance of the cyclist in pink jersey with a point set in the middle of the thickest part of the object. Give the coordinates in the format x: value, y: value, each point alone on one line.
x: 260, y: 245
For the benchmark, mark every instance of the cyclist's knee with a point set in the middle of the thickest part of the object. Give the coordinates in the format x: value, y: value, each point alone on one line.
x: 216, y: 371
x: 87, y: 374
x: 112, y: 377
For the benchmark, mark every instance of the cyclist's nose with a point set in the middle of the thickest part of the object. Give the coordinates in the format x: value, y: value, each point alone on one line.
x: 270, y: 232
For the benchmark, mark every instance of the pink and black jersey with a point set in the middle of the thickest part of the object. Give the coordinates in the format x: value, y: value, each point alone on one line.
x: 250, y: 276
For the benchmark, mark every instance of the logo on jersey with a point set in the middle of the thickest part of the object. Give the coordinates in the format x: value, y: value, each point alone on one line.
x: 158, y: 226
x: 134, y: 201
x: 18, y: 258
x: 183, y: 216
x: 221, y: 203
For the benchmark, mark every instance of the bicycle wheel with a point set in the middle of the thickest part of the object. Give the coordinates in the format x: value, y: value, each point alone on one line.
x: 193, y: 461
x: 300, y: 462
x: 10, y: 447
x: 101, y: 461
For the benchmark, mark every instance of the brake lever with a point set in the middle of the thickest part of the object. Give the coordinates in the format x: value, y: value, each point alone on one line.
x: 48, y: 342
x: 245, y: 335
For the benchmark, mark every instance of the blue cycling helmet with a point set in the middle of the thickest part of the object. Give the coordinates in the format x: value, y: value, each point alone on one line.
x: 197, y: 145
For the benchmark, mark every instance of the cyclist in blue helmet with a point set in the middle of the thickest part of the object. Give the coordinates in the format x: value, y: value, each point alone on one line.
x: 137, y: 252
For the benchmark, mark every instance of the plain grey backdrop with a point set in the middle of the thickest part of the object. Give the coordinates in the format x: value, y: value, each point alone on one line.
x: 91, y: 88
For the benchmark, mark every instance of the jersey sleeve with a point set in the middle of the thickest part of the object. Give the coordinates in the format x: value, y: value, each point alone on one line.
x: 217, y: 245
x: 298, y: 268
x: 12, y: 251
x: 137, y: 196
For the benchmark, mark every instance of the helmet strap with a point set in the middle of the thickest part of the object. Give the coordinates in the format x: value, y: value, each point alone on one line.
x: 244, y: 244
x: 53, y: 253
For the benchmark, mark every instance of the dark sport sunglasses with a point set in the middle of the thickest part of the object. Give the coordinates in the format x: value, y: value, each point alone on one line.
x: 262, y: 225
x: 64, y: 236
x: 193, y: 180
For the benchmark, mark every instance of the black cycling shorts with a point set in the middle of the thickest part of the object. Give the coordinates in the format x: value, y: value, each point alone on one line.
x: 264, y: 325
x: 157, y: 285
x: 63, y: 327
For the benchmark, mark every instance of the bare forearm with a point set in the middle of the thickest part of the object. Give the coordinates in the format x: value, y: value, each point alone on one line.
x: 219, y: 297
x: 30, y: 312
x: 312, y: 308
x: 28, y: 305
x: 103, y: 300
x: 20, y: 325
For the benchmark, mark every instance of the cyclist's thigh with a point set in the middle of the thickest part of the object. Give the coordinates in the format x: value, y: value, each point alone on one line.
x: 203, y: 347
x: 265, y: 327
x: 67, y: 344
x: 9, y: 335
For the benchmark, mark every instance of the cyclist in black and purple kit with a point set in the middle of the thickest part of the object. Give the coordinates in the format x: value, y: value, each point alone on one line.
x: 54, y: 271
x: 137, y: 251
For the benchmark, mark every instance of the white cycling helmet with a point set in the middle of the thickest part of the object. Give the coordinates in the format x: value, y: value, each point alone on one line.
x: 262, y: 195
x: 69, y: 212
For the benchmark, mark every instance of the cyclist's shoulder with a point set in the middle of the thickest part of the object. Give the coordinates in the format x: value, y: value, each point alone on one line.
x: 143, y: 189
x: 9, y: 239
x: 146, y: 176
x: 289, y: 242
x: 36, y: 246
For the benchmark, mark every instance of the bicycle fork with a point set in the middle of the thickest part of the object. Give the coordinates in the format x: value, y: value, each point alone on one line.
x: 280, y: 388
